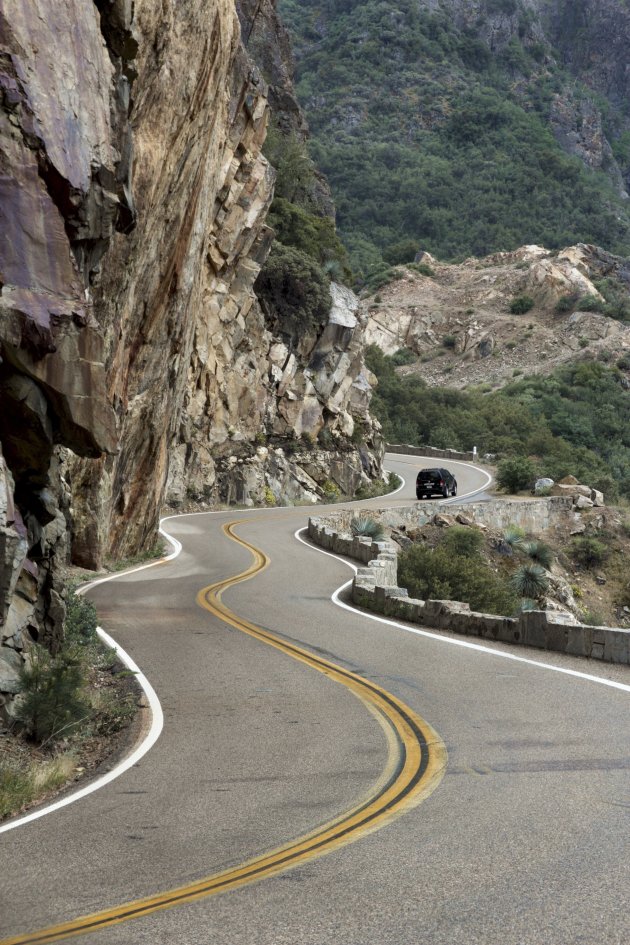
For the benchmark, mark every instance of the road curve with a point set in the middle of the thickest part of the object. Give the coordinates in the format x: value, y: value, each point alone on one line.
x: 522, y: 842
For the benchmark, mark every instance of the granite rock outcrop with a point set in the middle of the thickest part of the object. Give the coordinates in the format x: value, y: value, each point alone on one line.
x: 460, y: 324
x: 136, y: 362
x: 65, y: 189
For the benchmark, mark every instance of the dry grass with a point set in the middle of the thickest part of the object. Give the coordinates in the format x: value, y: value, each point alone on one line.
x: 21, y: 784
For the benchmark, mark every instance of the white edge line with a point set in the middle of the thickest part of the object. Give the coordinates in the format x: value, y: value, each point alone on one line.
x: 466, y: 644
x: 157, y: 722
x: 157, y: 716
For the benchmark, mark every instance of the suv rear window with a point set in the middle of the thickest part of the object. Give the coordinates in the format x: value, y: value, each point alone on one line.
x: 430, y: 475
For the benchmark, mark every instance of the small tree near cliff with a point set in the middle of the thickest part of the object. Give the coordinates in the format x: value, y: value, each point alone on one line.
x: 294, y: 291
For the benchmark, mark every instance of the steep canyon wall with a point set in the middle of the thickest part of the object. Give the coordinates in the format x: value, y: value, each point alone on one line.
x: 136, y: 361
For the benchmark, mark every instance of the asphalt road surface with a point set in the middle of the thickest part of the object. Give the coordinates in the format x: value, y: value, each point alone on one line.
x: 521, y: 840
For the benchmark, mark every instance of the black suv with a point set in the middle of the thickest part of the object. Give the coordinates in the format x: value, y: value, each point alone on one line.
x: 435, y: 482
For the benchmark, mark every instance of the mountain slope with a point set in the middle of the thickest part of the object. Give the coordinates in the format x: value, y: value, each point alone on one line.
x: 468, y: 127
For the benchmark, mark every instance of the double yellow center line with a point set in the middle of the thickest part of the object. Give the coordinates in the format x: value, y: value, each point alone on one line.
x: 415, y: 767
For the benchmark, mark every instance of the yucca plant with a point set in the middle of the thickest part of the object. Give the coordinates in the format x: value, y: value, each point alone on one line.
x: 530, y: 581
x: 367, y: 528
x: 539, y: 552
x: 513, y: 535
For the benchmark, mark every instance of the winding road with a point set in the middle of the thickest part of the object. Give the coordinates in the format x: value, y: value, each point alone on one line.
x: 487, y: 788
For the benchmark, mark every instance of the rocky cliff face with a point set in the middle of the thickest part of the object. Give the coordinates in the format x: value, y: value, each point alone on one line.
x: 65, y: 167
x: 134, y: 195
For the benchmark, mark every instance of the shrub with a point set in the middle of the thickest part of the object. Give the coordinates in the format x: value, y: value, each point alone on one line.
x: 424, y: 269
x: 400, y: 253
x: 403, y: 356
x: 529, y: 581
x: 52, y: 700
x: 449, y: 341
x: 588, y: 552
x: 81, y: 620
x: 617, y: 297
x: 440, y: 575
x: 314, y: 235
x: 331, y: 491
x: 539, y: 552
x: 367, y: 528
x: 515, y: 473
x: 590, y: 303
x: 583, y: 342
x: 293, y: 291
x: 325, y: 438
x: 460, y: 540
x: 567, y: 303
x: 593, y: 618
x: 295, y: 172
x: 521, y: 304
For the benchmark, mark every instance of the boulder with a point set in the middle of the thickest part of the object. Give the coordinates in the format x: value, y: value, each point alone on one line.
x: 444, y: 521
x: 597, y: 498
x: 560, y: 489
x: 464, y: 519
x: 568, y: 481
x: 581, y: 502
x: 543, y: 484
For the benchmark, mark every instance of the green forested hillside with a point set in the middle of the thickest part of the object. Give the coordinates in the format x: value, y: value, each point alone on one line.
x: 432, y: 139
x: 576, y: 420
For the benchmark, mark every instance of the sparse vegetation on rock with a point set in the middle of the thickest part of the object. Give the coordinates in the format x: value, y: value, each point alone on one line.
x: 522, y: 304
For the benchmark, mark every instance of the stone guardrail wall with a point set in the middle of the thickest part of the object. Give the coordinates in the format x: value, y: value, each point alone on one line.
x: 533, y: 515
x: 430, y: 451
x: 375, y: 588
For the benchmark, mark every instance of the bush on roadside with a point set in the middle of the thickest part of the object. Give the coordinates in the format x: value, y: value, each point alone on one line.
x: 22, y: 783
x: 442, y: 575
x: 331, y: 491
x: 515, y: 473
x: 52, y: 701
x: 460, y: 540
